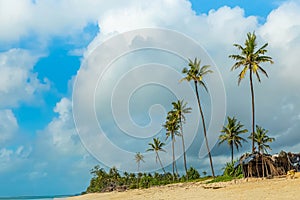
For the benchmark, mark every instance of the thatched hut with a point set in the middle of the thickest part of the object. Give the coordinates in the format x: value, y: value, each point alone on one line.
x: 264, y: 165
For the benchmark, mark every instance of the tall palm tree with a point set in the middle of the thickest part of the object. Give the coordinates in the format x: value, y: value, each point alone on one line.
x: 172, y: 128
x: 196, y: 74
x: 180, y: 108
x: 251, y: 59
x: 138, y: 158
x: 261, y: 139
x: 232, y: 132
x: 157, y: 146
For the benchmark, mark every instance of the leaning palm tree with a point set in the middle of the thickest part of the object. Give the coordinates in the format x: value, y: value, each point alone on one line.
x: 157, y: 146
x: 232, y: 132
x: 251, y: 59
x: 172, y: 128
x: 180, y: 108
x: 138, y: 158
x: 196, y: 74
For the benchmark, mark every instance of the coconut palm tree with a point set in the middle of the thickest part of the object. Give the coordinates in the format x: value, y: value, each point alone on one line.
x: 251, y: 59
x: 138, y: 158
x: 196, y: 74
x: 180, y: 108
x: 232, y: 132
x: 261, y: 139
x: 157, y: 146
x: 172, y: 128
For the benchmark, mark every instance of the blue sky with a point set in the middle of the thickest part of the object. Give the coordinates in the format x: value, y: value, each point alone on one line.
x: 44, y: 44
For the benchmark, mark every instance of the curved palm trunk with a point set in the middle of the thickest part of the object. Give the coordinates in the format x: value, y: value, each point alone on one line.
x: 183, y: 149
x: 204, y: 130
x: 160, y: 162
x: 253, y: 111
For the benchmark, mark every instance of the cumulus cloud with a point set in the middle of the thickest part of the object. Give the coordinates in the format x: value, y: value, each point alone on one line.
x: 48, y: 18
x: 18, y: 82
x: 60, y: 136
x: 58, y: 148
x: 284, y: 44
x: 8, y: 125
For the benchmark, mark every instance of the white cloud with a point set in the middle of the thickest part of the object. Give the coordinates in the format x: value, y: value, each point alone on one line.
x: 8, y: 125
x: 48, y: 18
x: 18, y: 81
x: 282, y: 31
x: 143, y: 14
x: 76, y: 52
x: 60, y: 136
x: 12, y: 160
x: 56, y: 147
x: 14, y: 16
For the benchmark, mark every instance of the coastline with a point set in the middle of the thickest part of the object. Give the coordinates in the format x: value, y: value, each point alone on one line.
x: 251, y: 188
x: 38, y: 197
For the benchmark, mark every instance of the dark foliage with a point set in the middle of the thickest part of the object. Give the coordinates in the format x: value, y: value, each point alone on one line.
x: 114, y: 181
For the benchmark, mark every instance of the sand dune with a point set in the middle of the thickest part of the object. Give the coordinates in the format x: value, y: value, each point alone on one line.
x: 277, y: 188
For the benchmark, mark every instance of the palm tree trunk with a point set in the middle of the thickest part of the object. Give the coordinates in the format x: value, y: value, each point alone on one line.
x: 204, y: 130
x: 261, y: 151
x: 138, y: 178
x: 258, y: 174
x: 162, y: 167
x: 183, y: 149
x: 231, y: 146
x: 253, y: 111
x: 176, y: 170
x: 173, y: 164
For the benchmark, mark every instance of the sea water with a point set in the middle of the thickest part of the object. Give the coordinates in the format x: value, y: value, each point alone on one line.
x: 57, y: 197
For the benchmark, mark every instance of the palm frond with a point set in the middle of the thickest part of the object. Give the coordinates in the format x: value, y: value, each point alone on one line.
x: 262, y: 49
x: 201, y: 83
x: 258, y: 77
x: 263, y: 71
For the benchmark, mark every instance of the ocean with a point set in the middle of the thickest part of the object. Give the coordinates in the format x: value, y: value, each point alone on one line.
x: 58, y: 197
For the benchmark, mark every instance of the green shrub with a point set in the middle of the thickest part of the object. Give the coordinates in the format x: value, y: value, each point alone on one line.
x: 229, y: 170
x: 193, y: 174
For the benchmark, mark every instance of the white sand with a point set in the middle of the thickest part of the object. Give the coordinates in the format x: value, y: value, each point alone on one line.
x: 277, y: 188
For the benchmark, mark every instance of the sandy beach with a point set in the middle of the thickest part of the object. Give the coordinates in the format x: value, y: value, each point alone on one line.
x: 252, y: 188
